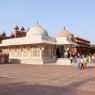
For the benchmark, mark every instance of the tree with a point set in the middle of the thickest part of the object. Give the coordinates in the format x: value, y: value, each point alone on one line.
x: 3, y: 35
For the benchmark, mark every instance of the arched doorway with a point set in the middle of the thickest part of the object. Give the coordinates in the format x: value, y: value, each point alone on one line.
x: 57, y: 53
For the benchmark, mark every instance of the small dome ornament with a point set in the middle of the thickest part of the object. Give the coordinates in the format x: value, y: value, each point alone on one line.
x: 37, y: 22
x: 64, y: 28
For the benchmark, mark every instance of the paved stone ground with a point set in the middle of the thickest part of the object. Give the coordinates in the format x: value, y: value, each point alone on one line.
x: 17, y: 79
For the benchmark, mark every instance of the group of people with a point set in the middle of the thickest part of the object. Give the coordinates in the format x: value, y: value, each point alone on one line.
x: 81, y: 60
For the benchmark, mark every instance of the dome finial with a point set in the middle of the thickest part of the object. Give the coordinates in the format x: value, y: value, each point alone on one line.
x: 64, y: 28
x: 37, y: 22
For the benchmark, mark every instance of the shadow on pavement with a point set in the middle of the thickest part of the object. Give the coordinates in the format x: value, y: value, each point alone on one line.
x: 21, y: 88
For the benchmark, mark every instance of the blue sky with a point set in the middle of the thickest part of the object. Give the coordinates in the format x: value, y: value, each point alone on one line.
x: 77, y: 15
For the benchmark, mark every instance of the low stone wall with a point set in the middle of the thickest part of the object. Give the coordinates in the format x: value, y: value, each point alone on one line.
x: 25, y: 61
x: 4, y: 58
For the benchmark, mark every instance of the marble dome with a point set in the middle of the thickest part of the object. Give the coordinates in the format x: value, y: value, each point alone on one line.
x: 37, y: 30
x: 64, y: 33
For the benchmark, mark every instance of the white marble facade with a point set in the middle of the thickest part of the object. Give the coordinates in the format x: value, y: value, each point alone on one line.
x: 29, y: 54
x: 36, y: 48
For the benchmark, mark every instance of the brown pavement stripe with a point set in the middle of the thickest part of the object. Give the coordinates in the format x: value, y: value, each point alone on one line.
x: 63, y: 79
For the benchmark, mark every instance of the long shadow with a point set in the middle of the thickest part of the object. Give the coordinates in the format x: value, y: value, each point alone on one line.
x: 21, y: 88
x: 90, y: 67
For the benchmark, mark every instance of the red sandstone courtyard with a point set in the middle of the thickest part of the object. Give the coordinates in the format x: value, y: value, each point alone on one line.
x: 18, y: 79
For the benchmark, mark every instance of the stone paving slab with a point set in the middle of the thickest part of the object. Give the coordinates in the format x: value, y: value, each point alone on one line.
x: 22, y: 79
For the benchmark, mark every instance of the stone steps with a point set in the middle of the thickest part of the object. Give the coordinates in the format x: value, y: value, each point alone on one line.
x: 63, y: 61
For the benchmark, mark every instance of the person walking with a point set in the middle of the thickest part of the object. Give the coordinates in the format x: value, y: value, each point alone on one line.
x: 71, y: 59
x: 84, y: 62
x: 78, y: 62
x: 82, y: 66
